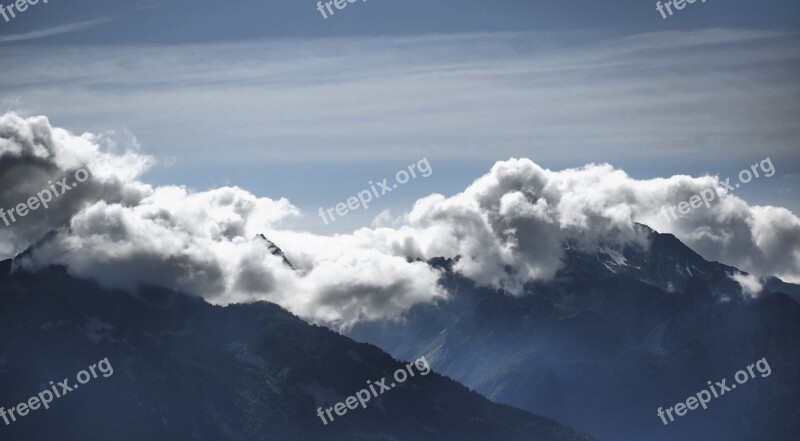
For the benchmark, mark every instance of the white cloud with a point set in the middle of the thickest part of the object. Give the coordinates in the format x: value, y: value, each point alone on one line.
x: 506, y: 228
x: 750, y: 284
x: 123, y: 233
x: 33, y: 153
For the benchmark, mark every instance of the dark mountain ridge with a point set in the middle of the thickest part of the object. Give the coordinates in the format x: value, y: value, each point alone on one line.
x: 188, y: 370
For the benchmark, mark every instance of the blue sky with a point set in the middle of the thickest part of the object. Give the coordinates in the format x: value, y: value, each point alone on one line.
x: 276, y: 99
x: 202, y: 21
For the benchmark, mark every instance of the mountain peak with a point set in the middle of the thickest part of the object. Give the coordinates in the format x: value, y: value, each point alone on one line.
x: 275, y: 250
x: 666, y: 263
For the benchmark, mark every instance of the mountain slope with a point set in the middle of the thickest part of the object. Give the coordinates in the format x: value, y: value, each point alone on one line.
x: 615, y: 335
x: 184, y: 369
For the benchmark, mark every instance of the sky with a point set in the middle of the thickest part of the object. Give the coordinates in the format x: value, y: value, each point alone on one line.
x: 275, y: 98
x: 205, y: 124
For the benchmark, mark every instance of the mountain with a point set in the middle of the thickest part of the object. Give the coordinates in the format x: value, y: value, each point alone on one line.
x: 275, y: 250
x: 177, y: 368
x: 616, y: 334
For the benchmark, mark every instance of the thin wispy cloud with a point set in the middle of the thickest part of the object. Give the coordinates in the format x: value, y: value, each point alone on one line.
x: 57, y: 30
x: 354, y: 99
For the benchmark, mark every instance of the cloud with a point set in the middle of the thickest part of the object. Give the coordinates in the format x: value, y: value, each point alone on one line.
x: 648, y: 97
x: 122, y: 233
x: 750, y: 284
x: 507, y: 228
x: 56, y: 30
x: 33, y: 154
x: 510, y: 225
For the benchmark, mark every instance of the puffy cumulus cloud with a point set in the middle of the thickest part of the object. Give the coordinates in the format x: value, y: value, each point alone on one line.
x: 33, y: 155
x: 507, y: 228
x: 206, y: 244
x: 123, y: 233
x: 193, y: 242
x: 510, y: 226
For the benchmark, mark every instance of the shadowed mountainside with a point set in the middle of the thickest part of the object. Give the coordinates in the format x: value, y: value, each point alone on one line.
x: 184, y: 369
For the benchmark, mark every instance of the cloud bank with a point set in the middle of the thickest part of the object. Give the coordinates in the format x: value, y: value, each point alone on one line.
x: 506, y: 228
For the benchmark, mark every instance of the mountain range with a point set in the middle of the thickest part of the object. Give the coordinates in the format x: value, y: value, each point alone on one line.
x: 184, y: 369
x: 616, y: 334
x: 591, y: 354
